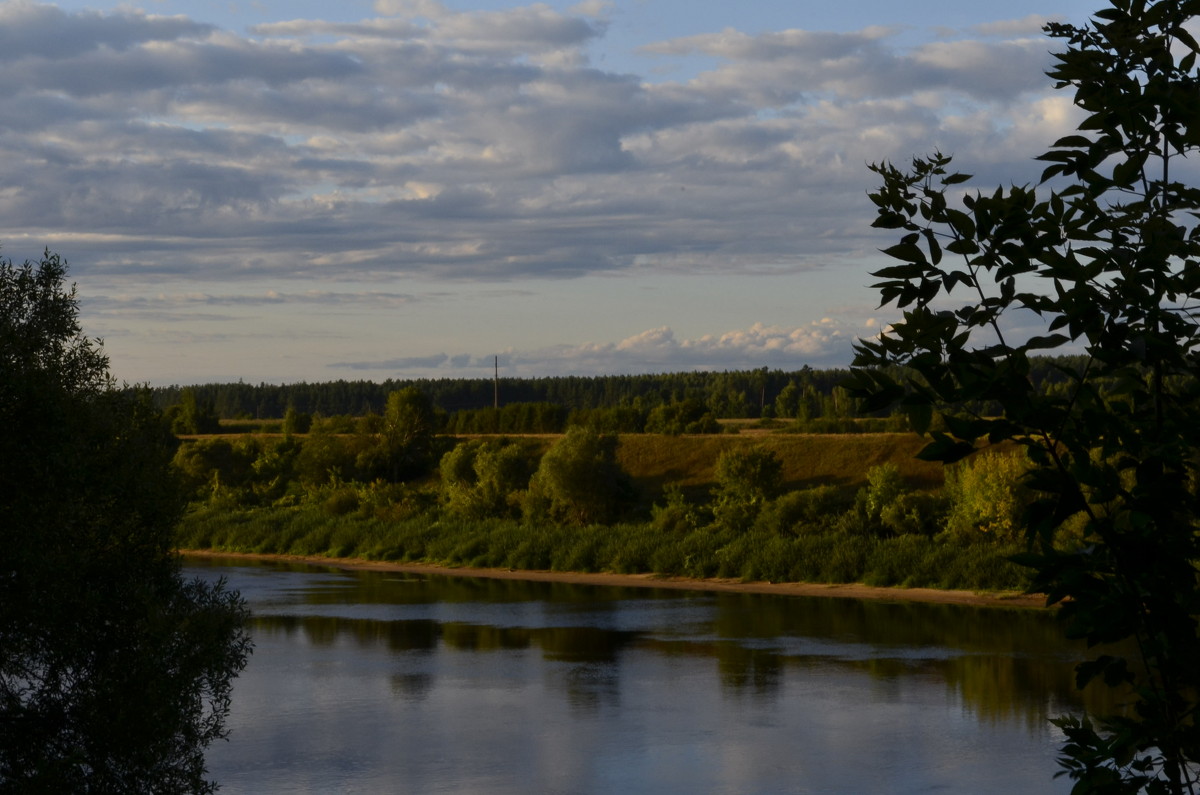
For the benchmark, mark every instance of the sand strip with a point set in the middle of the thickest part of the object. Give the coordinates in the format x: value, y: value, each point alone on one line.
x: 846, y: 591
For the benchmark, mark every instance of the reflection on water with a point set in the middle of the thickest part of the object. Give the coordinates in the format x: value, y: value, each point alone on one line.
x: 378, y: 681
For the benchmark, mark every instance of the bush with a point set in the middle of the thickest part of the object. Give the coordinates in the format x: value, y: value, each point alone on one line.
x: 482, y: 479
x: 341, y: 502
x: 811, y: 510
x: 747, y: 479
x: 682, y: 416
x: 579, y: 481
x: 296, y: 421
x: 986, y: 496
x: 677, y: 515
x: 914, y: 512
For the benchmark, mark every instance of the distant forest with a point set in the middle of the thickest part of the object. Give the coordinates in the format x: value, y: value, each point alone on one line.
x: 803, y: 394
x: 740, y: 394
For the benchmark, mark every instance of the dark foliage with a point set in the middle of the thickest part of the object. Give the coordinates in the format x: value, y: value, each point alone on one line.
x: 114, y: 672
x: 1109, y: 258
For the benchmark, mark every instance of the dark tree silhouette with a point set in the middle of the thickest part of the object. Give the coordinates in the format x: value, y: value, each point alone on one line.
x: 115, y: 672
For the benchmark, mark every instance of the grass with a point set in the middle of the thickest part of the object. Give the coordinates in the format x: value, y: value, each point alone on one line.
x: 655, y: 460
x: 335, y: 524
x: 907, y: 561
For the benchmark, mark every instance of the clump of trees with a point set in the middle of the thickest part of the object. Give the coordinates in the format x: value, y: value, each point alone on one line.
x: 482, y: 479
x: 682, y: 416
x: 579, y: 481
x: 747, y: 480
x: 1106, y: 250
x: 115, y: 672
x: 192, y: 415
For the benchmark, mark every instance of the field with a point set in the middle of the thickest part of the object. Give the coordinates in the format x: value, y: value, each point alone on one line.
x: 808, y: 459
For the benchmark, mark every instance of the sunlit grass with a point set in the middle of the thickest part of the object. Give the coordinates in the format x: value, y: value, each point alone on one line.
x: 654, y: 460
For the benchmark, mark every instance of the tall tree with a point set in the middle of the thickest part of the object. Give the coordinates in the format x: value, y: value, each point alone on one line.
x: 1106, y: 251
x: 408, y: 425
x: 115, y: 672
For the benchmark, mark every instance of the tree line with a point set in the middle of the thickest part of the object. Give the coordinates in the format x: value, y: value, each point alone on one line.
x: 729, y: 394
x: 683, y: 402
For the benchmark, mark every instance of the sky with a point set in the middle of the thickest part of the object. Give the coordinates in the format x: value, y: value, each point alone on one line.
x: 292, y: 190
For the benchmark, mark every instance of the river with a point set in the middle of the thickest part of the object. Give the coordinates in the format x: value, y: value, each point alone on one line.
x: 371, y: 681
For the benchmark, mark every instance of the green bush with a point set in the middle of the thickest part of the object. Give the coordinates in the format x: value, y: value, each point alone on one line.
x: 484, y: 479
x: 805, y: 511
x: 914, y: 512
x: 682, y: 416
x: 986, y: 496
x: 341, y: 502
x: 579, y: 481
x: 747, y: 479
x: 676, y: 516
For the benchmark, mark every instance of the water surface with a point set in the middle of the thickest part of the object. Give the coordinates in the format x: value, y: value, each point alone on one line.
x: 368, y: 681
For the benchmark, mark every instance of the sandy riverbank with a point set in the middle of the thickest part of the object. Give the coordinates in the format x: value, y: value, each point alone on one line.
x: 846, y: 591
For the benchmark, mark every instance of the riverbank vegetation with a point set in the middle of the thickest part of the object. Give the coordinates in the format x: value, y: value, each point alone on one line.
x: 775, y: 506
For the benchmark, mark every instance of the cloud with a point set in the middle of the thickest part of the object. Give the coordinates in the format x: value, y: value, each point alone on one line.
x: 824, y: 342
x: 1030, y: 25
x: 33, y: 29
x: 401, y: 364
x: 478, y: 145
x: 181, y: 307
x: 778, y: 69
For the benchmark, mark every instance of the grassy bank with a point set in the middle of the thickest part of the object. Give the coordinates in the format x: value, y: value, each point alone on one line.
x: 771, y: 507
x: 654, y: 460
x: 752, y: 555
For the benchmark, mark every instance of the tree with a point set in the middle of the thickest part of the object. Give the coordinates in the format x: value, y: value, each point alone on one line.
x: 787, y: 402
x: 484, y: 479
x: 407, y: 437
x: 191, y: 416
x: 295, y: 422
x: 1106, y: 251
x: 747, y: 480
x: 580, y: 481
x: 115, y: 672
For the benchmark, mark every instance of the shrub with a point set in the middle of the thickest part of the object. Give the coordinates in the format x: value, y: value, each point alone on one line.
x: 677, y: 515
x: 804, y: 511
x: 682, y: 416
x: 341, y: 502
x: 747, y: 479
x: 481, y: 479
x: 579, y: 481
x: 914, y: 512
x: 986, y: 496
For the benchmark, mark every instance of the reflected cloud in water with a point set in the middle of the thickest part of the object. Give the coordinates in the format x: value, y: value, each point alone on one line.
x: 462, y: 685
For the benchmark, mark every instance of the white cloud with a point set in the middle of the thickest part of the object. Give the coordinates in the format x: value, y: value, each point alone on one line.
x: 428, y: 9
x: 187, y: 148
x: 342, y: 161
x: 823, y: 342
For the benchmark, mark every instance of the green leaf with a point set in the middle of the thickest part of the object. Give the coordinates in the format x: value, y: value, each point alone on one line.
x: 1073, y: 142
x: 909, y: 252
x: 920, y: 416
x: 945, y: 449
x: 1048, y: 341
x: 889, y: 220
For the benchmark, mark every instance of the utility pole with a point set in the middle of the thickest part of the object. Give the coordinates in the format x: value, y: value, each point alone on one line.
x: 496, y: 385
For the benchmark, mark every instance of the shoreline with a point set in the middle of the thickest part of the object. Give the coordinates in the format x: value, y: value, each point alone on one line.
x: 838, y: 591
